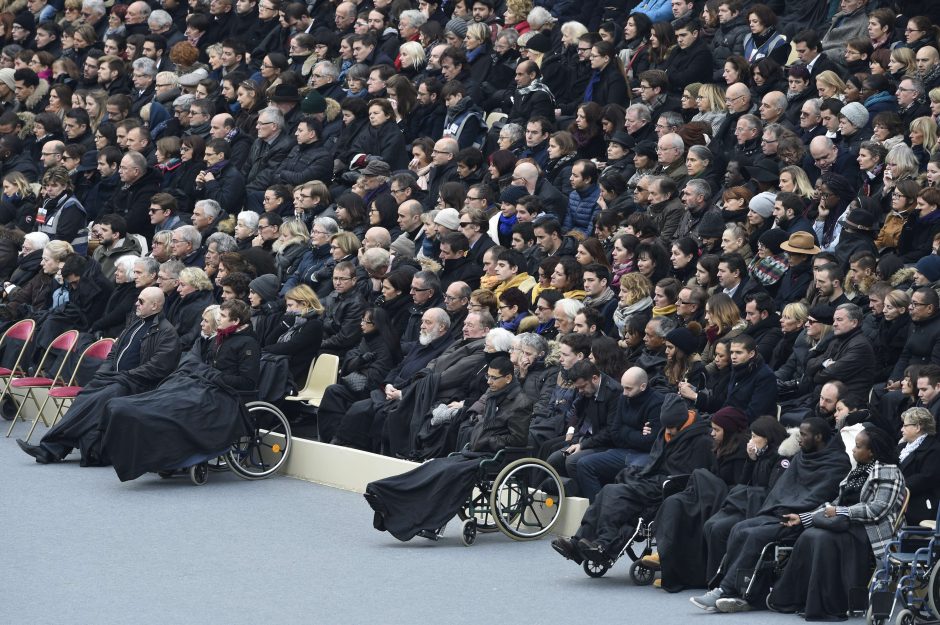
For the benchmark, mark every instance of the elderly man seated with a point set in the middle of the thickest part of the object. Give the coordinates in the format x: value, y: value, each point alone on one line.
x: 144, y: 354
x: 425, y: 498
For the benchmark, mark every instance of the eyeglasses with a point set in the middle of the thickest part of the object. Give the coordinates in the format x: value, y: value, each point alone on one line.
x: 341, y: 279
x: 918, y: 304
x: 464, y: 224
x: 415, y: 289
x: 493, y: 378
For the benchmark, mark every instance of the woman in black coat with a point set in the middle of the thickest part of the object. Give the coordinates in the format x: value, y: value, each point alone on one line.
x: 196, y: 294
x: 28, y: 262
x: 236, y: 353
x: 387, y: 140
x: 607, y: 83
x: 182, y: 186
x: 395, y: 300
x: 304, y: 331
x: 893, y: 328
x: 267, y: 309
x: 366, y: 365
x: 920, y: 464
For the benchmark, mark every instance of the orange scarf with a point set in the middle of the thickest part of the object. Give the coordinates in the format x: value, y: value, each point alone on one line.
x: 687, y: 423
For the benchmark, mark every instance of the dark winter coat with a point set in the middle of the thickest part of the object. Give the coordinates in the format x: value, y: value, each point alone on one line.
x: 852, y: 357
x: 264, y: 161
x: 133, y: 202
x: 300, y: 342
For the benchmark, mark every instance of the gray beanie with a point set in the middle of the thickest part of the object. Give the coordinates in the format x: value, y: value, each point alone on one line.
x: 403, y: 247
x: 266, y: 286
x: 457, y: 26
x: 675, y: 412
x: 855, y: 113
x: 763, y: 204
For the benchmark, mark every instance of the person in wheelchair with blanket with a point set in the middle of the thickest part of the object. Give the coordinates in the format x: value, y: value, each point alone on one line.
x: 427, y: 497
x: 683, y: 445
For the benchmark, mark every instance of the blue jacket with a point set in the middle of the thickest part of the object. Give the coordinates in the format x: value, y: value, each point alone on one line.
x: 581, y: 208
x: 656, y: 10
x: 308, y: 266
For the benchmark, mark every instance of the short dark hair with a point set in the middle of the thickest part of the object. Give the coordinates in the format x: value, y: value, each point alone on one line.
x: 501, y: 364
x: 735, y: 263
x: 746, y: 341
x: 763, y: 302
x: 219, y: 146
x: 512, y: 258
x: 236, y: 309
x: 810, y: 37
x: 115, y: 222
x: 456, y: 241
x: 602, y: 272
x: 579, y: 343
x: 525, y: 230
x: 28, y: 76
x: 583, y: 369
x: 74, y: 265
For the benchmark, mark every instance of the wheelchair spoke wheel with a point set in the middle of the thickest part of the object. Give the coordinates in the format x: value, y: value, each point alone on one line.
x: 478, y: 507
x: 519, y: 508
x: 595, y: 568
x: 641, y: 575
x: 264, y: 450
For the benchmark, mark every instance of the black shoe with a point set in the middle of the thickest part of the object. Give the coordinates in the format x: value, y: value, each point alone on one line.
x: 591, y: 548
x: 568, y: 548
x: 36, y: 451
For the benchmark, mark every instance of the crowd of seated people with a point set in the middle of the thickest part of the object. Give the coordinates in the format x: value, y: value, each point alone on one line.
x: 733, y: 206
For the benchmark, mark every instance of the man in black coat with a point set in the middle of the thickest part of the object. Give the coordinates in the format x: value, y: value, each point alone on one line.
x: 692, y: 59
x: 625, y: 441
x: 531, y: 97
x: 923, y: 342
x: 849, y: 358
x: 132, y: 199
x: 267, y: 153
x: 342, y: 312
x: 682, y: 445
x: 752, y: 387
x: 309, y: 159
x: 763, y: 323
x: 221, y: 181
x: 457, y: 267
x: 735, y: 281
x: 144, y: 354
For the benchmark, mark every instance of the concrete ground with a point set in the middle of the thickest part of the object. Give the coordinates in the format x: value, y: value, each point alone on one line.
x: 80, y: 547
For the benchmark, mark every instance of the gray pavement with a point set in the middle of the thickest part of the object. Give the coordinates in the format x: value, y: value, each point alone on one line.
x: 79, y: 547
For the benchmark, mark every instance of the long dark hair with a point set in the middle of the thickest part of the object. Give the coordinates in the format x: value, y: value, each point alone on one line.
x: 383, y: 328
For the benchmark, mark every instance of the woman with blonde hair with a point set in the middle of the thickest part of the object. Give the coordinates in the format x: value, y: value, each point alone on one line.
x: 793, y: 179
x: 195, y: 291
x: 18, y: 203
x: 829, y: 85
x: 902, y: 64
x: 36, y: 295
x: 723, y: 321
x: 712, y: 109
x: 413, y: 59
x: 792, y: 320
x: 636, y: 298
x: 291, y: 247
x: 900, y: 164
x: 300, y: 342
x: 923, y: 136
x: 96, y: 102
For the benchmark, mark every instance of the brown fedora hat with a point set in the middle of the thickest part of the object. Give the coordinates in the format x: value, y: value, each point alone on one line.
x: 800, y: 243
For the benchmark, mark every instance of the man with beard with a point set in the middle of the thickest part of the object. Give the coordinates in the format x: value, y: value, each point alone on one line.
x: 788, y: 214
x: 115, y: 243
x: 145, y: 353
x: 356, y: 419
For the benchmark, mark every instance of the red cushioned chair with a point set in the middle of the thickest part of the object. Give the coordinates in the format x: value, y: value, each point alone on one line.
x: 65, y: 343
x: 19, y: 331
x: 99, y: 350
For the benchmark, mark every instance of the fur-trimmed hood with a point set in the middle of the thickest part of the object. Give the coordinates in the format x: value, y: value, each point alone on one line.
x: 791, y: 445
x: 42, y: 90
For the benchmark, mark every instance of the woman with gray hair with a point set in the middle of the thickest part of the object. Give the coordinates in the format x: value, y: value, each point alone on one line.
x: 920, y: 463
x: 30, y: 256
x: 246, y: 227
x: 195, y: 291
x: 120, y: 305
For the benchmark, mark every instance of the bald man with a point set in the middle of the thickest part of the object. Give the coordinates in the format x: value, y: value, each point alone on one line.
x: 772, y: 108
x: 825, y: 156
x: 625, y: 441
x: 928, y: 67
x: 738, y: 100
x: 144, y: 354
x: 527, y: 175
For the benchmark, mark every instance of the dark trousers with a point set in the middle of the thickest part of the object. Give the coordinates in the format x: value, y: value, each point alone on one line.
x: 80, y: 424
x: 745, y: 544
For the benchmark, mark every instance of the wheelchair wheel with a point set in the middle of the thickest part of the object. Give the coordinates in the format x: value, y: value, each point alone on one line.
x: 264, y: 450
x: 520, y: 510
x: 477, y: 507
x: 905, y: 617
x: 641, y: 575
x: 199, y: 473
x: 595, y: 568
x: 468, y: 532
x: 8, y: 408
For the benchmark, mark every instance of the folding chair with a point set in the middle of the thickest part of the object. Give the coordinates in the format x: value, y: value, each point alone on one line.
x: 19, y: 331
x: 98, y: 350
x: 65, y: 342
x: 322, y: 373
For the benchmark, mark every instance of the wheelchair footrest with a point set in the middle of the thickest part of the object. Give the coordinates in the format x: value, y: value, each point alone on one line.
x: 881, y: 602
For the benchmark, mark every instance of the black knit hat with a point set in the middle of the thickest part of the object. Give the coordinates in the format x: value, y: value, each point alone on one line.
x: 675, y: 412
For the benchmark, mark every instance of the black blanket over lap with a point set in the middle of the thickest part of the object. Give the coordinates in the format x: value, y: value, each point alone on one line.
x: 192, y: 413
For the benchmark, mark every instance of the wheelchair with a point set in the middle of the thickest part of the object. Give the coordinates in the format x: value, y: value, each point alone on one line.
x: 596, y: 565
x: 908, y: 576
x: 254, y: 456
x: 512, y: 496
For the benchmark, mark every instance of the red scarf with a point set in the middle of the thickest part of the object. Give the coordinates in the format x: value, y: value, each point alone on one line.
x: 221, y: 335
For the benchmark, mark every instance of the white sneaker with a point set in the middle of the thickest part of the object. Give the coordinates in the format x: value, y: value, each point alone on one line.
x: 729, y: 605
x: 708, y: 601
